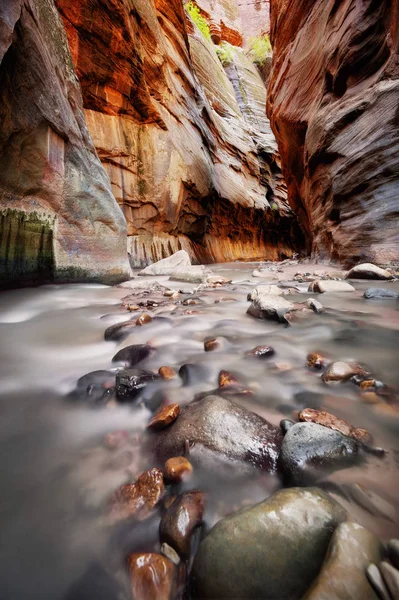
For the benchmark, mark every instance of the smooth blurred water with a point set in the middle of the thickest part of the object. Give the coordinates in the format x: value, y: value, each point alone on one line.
x: 56, y: 473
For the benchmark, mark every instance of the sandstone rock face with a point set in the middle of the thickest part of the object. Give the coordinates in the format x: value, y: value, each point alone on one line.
x: 58, y: 217
x: 187, y: 146
x: 333, y: 101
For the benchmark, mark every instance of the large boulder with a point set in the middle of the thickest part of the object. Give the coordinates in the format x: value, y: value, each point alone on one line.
x: 178, y: 261
x: 343, y: 575
x: 368, y: 271
x: 380, y: 293
x: 270, y: 306
x: 309, y: 446
x: 219, y: 432
x: 325, y: 285
x: 190, y: 274
x: 271, y: 550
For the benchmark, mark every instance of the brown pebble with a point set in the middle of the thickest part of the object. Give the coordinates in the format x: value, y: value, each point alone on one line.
x: 178, y: 469
x: 261, y: 352
x: 167, y: 373
x: 180, y: 520
x: 329, y: 420
x: 151, y: 576
x: 132, y: 307
x: 164, y: 417
x: 212, y: 344
x: 139, y: 498
x: 367, y: 384
x: 316, y: 360
x: 226, y: 379
x: 342, y: 371
x: 144, y: 319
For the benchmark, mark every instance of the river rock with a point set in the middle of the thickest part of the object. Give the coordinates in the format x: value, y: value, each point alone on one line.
x: 315, y: 305
x: 390, y: 576
x: 321, y: 417
x: 286, y: 424
x: 308, y: 446
x: 368, y: 271
x: 340, y: 371
x: 178, y: 261
x: 95, y: 387
x: 320, y: 286
x: 268, y: 290
x: 196, y: 274
x: 151, y: 576
x: 167, y: 373
x: 132, y: 355
x: 261, y: 352
x: 192, y: 373
x: 271, y: 550
x: 316, y: 360
x: 137, y: 499
x: 375, y: 578
x: 179, y: 521
x: 266, y: 306
x: 213, y: 344
x: 216, y: 429
x: 130, y: 382
x: 178, y: 469
x: 119, y: 331
x: 380, y: 294
x: 343, y: 574
x: 143, y: 319
x: 165, y: 416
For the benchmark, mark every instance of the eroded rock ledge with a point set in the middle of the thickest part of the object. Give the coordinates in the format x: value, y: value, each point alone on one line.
x: 333, y: 105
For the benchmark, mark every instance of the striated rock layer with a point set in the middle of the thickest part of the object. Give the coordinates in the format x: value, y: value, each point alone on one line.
x: 333, y: 104
x: 187, y: 146
x: 58, y: 217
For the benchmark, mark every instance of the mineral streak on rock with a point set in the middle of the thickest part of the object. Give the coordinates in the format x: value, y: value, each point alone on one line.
x: 333, y: 105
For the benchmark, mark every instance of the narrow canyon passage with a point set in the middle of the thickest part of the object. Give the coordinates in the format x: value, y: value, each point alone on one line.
x: 199, y: 300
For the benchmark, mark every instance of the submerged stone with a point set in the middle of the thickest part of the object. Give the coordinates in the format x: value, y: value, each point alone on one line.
x: 132, y: 355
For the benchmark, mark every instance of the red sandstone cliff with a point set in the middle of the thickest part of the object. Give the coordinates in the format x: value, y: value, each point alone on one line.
x: 186, y: 144
x: 58, y: 217
x: 333, y: 104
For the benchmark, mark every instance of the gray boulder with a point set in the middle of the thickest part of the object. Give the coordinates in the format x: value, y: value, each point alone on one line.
x: 343, y: 575
x: 270, y: 551
x: 308, y: 447
x: 190, y: 274
x: 368, y: 271
x: 220, y: 433
x: 321, y: 286
x: 379, y: 293
x: 266, y: 290
x: 166, y: 266
x: 268, y: 306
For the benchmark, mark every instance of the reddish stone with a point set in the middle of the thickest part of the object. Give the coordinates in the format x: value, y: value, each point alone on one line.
x: 226, y: 379
x: 180, y: 520
x: 326, y: 419
x: 137, y: 499
x: 167, y: 373
x: 165, y: 416
x: 144, y: 319
x: 178, y: 469
x: 151, y: 576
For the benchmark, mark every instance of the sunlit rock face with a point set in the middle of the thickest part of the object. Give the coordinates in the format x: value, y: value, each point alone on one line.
x: 333, y: 104
x: 58, y: 217
x: 186, y: 144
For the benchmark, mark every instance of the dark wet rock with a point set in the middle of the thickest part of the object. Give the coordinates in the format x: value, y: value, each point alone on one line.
x: 343, y: 574
x: 131, y: 382
x: 143, y: 319
x: 310, y: 415
x: 270, y: 307
x: 393, y: 552
x: 376, y: 581
x: 271, y: 550
x: 215, y: 428
x: 316, y: 360
x: 96, y: 387
x: 167, y: 373
x: 178, y: 469
x: 321, y: 286
x: 180, y: 520
x: 119, y: 331
x: 315, y: 305
x: 390, y: 576
x: 286, y: 424
x: 151, y: 576
x: 192, y: 373
x: 132, y: 355
x: 261, y: 352
x: 368, y: 271
x: 308, y: 447
x: 96, y: 583
x: 340, y: 371
x: 213, y: 344
x: 137, y: 499
x: 380, y: 293
x: 165, y: 416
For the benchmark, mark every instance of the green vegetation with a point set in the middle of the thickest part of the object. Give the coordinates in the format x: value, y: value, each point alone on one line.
x: 225, y: 53
x: 198, y: 19
x: 260, y: 48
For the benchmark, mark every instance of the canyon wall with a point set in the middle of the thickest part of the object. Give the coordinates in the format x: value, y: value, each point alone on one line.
x: 58, y: 218
x: 333, y: 102
x: 186, y: 144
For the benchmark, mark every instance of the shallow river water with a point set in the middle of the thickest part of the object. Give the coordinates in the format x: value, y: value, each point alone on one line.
x: 56, y: 472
